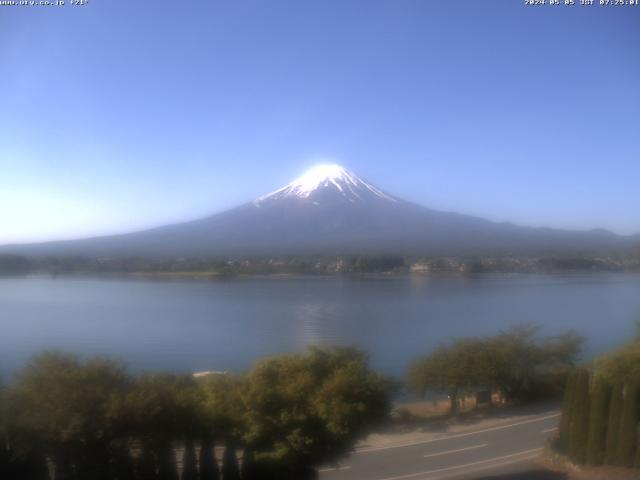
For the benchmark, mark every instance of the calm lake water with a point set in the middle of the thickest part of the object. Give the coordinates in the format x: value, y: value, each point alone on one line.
x: 226, y: 325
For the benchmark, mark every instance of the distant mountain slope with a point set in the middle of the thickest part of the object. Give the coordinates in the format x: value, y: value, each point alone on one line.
x: 330, y: 210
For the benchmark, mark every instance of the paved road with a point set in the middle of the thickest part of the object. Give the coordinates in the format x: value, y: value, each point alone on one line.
x: 503, y: 451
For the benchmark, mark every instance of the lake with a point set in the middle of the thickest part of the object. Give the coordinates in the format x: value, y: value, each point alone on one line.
x: 226, y: 325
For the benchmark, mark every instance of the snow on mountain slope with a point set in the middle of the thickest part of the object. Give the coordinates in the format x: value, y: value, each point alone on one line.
x: 327, y: 182
x: 331, y: 211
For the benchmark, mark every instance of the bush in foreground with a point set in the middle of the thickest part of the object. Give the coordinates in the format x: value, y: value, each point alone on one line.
x: 599, y: 425
x: 91, y: 419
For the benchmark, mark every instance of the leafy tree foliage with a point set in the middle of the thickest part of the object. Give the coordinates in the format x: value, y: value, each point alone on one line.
x: 304, y: 410
x: 159, y: 410
x: 522, y: 363
x: 70, y: 407
x: 189, y: 462
x: 93, y: 420
x: 516, y: 362
x: 21, y: 455
x: 461, y: 366
x: 620, y: 365
x: 222, y: 407
x: 373, y: 264
x: 208, y: 464
x: 230, y: 467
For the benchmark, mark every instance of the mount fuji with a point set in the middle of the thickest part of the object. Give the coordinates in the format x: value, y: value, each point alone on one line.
x: 332, y: 211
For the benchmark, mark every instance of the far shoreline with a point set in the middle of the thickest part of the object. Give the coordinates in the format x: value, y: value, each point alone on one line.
x: 187, y: 276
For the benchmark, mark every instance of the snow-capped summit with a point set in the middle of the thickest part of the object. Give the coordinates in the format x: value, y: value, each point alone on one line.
x: 327, y: 182
x: 331, y: 211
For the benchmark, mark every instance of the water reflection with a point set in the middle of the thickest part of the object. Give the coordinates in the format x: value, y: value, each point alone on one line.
x: 189, y: 326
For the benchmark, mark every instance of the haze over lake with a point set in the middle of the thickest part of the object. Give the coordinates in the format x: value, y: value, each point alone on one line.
x: 226, y: 325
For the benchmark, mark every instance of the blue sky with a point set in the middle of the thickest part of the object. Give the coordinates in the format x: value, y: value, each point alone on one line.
x: 122, y: 115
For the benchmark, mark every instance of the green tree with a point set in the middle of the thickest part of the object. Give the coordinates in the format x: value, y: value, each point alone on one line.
x: 613, y: 423
x: 5, y: 454
x: 223, y: 417
x: 230, y: 468
x: 159, y: 410
x: 189, y: 462
x: 69, y: 406
x: 122, y: 462
x: 305, y: 410
x: 166, y: 461
x: 250, y: 470
x: 453, y: 369
x: 579, y: 427
x: 620, y: 365
x: 223, y: 407
x: 521, y: 361
x: 145, y: 464
x: 600, y: 396
x: 208, y: 463
x: 567, y: 411
x: 628, y: 436
x: 516, y: 362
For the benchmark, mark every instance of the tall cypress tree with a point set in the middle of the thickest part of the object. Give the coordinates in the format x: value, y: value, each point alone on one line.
x: 145, y: 464
x: 613, y: 424
x: 167, y: 468
x: 230, y: 468
x: 189, y: 462
x: 579, y: 425
x: 628, y: 437
x: 122, y: 463
x: 32, y: 465
x: 5, y: 457
x: 567, y: 409
x: 208, y: 463
x: 63, y: 468
x: 600, y: 396
x: 250, y: 469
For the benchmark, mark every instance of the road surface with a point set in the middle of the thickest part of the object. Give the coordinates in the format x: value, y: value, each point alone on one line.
x: 501, y: 451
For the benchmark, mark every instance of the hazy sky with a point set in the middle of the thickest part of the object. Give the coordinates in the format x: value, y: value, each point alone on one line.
x: 125, y: 114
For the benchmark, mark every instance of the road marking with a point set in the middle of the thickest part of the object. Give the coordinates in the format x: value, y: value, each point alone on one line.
x: 549, y: 430
x: 459, y: 435
x: 456, y: 451
x: 336, y: 469
x: 472, y: 464
x: 485, y: 467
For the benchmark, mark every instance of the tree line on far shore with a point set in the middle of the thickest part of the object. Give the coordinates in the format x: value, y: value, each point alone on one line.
x: 223, y: 267
x: 601, y: 411
x: 71, y: 419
